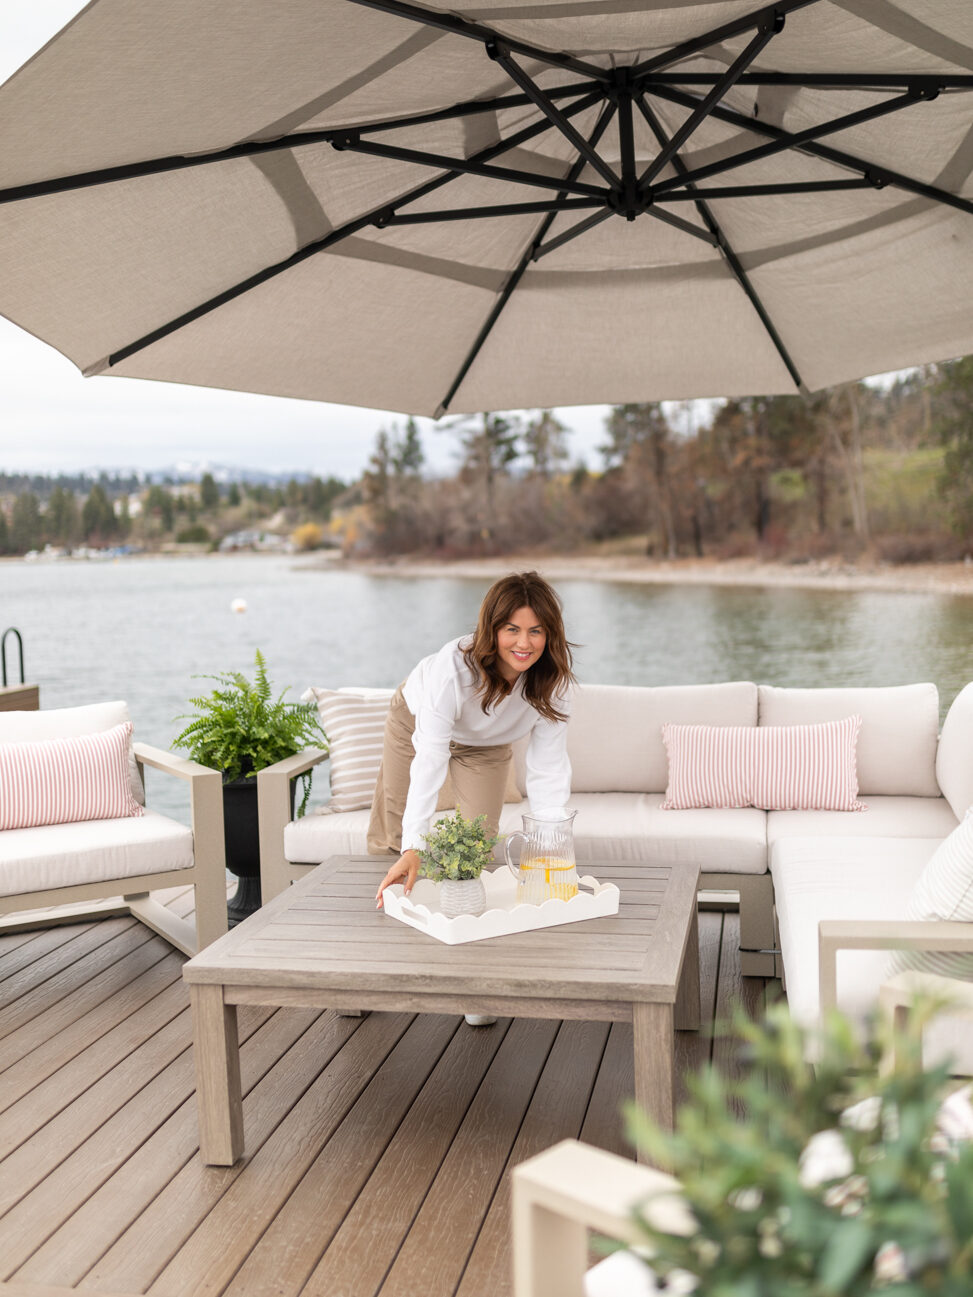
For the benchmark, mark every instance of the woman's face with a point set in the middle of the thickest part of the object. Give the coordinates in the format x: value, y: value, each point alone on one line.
x: 520, y: 643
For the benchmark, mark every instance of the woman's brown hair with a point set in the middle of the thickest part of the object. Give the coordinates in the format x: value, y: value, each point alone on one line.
x: 550, y: 675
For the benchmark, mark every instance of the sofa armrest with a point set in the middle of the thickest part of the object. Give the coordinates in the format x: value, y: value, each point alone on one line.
x: 274, y: 812
x: 209, y: 849
x: 880, y: 934
x: 561, y: 1194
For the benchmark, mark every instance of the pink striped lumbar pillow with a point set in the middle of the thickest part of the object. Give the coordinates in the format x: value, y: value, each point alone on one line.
x: 61, y: 781
x: 773, y: 767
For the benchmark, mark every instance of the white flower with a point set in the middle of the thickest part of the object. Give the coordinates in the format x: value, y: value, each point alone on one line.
x: 825, y: 1157
x: 955, y: 1119
x: 890, y: 1264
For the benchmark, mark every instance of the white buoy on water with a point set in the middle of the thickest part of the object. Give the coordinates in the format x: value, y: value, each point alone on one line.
x: 239, y: 605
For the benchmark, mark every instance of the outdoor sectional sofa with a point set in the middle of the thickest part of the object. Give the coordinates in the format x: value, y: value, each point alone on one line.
x: 821, y: 864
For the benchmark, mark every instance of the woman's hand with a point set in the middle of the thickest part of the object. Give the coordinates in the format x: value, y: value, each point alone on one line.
x: 405, y: 868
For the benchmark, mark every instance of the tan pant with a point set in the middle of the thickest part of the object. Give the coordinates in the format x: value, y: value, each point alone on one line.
x: 478, y: 776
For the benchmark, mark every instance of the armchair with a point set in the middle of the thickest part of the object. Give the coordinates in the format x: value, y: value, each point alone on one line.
x: 62, y: 870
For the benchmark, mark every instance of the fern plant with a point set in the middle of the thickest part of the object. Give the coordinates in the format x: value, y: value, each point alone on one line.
x: 456, y: 848
x: 239, y: 729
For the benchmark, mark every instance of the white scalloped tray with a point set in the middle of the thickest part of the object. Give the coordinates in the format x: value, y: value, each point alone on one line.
x: 502, y: 915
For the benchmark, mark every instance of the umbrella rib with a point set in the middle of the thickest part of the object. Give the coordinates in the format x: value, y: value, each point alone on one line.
x: 879, y: 175
x: 518, y: 272
x: 582, y: 227
x: 456, y: 26
x: 765, y: 33
x: 732, y: 260
x: 501, y: 55
x: 736, y: 28
x: 817, y: 80
x: 792, y: 141
x: 761, y: 191
x: 465, y: 166
x: 500, y: 209
x: 251, y: 148
x: 376, y: 216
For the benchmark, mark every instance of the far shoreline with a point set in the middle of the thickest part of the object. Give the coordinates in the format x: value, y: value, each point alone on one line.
x: 817, y: 574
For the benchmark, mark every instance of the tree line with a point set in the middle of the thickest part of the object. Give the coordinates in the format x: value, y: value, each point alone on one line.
x: 67, y: 511
x: 853, y: 470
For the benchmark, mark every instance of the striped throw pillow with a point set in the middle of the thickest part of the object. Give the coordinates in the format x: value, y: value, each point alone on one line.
x: 944, y: 890
x: 354, y: 722
x: 772, y: 767
x: 62, y: 781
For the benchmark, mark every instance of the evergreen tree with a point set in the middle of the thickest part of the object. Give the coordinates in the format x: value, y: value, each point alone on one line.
x: 233, y: 495
x: 209, y: 492
x: 953, y: 398
x: 62, y: 520
x: 159, y: 508
x: 26, y: 528
x: 97, y: 515
x: 544, y: 441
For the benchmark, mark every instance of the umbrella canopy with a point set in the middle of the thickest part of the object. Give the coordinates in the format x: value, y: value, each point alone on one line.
x: 487, y: 206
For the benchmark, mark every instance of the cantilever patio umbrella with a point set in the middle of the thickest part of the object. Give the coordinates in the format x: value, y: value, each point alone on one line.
x: 492, y: 205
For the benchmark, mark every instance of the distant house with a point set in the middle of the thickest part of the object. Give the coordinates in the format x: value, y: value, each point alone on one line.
x: 253, y: 538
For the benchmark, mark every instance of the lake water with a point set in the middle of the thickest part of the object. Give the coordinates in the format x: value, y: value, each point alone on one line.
x: 139, y: 629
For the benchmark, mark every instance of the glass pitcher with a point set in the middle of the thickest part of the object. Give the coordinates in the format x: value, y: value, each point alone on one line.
x: 547, y: 869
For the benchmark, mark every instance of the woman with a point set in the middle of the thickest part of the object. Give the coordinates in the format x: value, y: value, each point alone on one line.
x: 460, y: 710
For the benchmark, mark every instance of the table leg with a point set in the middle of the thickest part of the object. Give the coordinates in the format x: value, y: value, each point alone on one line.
x: 687, y: 993
x: 654, y: 1063
x: 216, y: 1050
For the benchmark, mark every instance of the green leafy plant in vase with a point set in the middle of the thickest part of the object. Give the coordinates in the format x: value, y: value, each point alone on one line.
x: 844, y: 1179
x: 457, y: 851
x: 239, y: 728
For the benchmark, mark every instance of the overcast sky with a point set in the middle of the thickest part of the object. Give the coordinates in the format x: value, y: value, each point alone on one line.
x: 51, y: 419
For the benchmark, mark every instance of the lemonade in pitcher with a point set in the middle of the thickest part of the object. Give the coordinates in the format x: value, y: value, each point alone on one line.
x: 547, y: 869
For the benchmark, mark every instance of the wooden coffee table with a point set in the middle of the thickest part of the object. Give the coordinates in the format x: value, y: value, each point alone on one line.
x: 322, y: 944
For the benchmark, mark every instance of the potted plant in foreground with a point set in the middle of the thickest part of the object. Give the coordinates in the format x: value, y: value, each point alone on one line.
x: 239, y: 729
x: 845, y: 1179
x: 455, y: 855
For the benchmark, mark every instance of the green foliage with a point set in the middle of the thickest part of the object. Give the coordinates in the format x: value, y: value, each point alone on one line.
x: 456, y: 848
x: 194, y: 534
x: 239, y: 730
x: 811, y: 1195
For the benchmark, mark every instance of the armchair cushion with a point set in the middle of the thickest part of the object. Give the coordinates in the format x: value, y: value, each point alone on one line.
x: 69, y: 723
x: 64, y: 780
x: 62, y: 855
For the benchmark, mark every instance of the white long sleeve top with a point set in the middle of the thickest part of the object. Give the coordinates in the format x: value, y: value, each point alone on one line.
x: 441, y: 693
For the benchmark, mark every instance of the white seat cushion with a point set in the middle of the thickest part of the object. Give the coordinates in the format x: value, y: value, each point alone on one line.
x: 610, y: 826
x: 886, y: 817
x: 840, y: 878
x: 61, y: 855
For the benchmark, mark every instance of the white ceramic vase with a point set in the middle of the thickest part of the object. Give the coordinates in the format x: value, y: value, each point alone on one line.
x: 462, y: 896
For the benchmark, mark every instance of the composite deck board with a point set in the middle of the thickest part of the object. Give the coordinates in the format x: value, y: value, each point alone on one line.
x: 378, y: 1148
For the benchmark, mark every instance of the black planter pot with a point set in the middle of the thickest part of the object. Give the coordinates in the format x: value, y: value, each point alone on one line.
x: 241, y: 837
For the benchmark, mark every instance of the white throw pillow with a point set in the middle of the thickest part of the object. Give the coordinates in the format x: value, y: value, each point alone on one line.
x: 944, y: 891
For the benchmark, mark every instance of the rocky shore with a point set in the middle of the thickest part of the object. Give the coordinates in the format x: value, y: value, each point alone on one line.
x: 823, y: 574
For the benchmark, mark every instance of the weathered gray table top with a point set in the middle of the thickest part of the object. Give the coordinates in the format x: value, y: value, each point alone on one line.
x: 325, y: 933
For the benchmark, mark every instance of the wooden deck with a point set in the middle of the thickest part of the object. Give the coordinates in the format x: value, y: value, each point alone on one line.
x: 377, y: 1148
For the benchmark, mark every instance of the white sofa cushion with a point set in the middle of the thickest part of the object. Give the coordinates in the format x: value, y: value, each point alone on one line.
x: 840, y: 878
x: 849, y: 878
x: 609, y: 826
x: 62, y: 855
x: 944, y: 890
x: 954, y: 759
x: 615, y: 731
x: 897, y: 744
x: 69, y: 723
x: 883, y: 817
